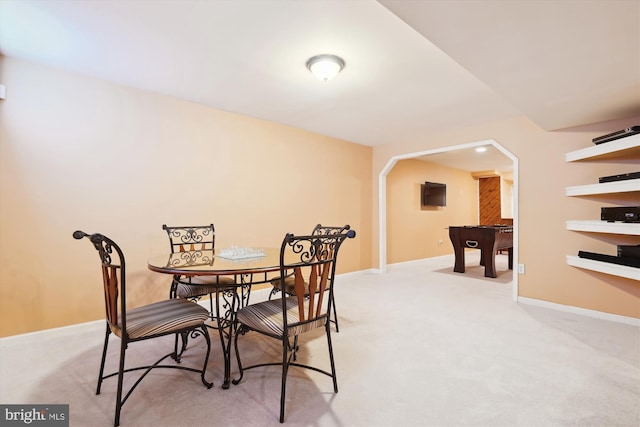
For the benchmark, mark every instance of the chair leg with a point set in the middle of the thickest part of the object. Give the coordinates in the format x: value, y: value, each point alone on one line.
x: 285, y: 369
x: 121, y: 368
x: 211, y: 315
x: 335, y: 313
x: 238, y: 332
x: 177, y: 355
x: 245, y: 289
x: 174, y: 288
x: 295, y: 348
x: 172, y: 295
x: 123, y: 347
x: 333, y: 365
x: 205, y: 333
x: 104, y: 357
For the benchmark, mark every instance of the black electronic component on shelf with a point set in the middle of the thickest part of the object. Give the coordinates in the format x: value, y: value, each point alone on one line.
x: 620, y: 260
x: 629, y: 251
x: 617, y: 135
x: 621, y: 177
x: 620, y: 214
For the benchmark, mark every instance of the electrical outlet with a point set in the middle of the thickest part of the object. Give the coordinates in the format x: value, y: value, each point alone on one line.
x: 520, y: 268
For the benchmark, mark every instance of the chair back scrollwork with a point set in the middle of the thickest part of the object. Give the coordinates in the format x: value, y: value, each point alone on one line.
x: 191, y: 238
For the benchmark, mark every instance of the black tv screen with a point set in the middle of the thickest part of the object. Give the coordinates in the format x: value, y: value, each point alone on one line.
x: 434, y: 194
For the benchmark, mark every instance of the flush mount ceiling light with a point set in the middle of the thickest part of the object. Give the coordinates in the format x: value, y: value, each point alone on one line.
x: 325, y: 67
x: 481, y: 149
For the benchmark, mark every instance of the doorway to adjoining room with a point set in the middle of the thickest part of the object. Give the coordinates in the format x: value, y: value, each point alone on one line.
x: 482, y: 189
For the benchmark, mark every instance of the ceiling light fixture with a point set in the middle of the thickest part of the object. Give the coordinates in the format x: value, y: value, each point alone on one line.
x: 481, y: 149
x: 325, y: 67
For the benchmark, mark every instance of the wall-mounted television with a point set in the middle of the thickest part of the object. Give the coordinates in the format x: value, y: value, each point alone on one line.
x: 433, y: 194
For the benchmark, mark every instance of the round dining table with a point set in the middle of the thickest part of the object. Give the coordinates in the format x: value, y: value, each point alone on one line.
x: 257, y: 266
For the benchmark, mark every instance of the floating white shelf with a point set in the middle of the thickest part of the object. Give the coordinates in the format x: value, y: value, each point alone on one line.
x: 625, y: 186
x: 628, y: 228
x: 617, y: 147
x: 605, y: 267
x: 628, y: 147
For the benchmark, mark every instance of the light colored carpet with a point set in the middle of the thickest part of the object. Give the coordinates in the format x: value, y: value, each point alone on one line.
x: 418, y: 346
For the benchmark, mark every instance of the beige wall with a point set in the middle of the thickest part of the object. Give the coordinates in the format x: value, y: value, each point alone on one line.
x: 414, y: 232
x: 81, y: 153
x: 77, y: 152
x: 543, y: 209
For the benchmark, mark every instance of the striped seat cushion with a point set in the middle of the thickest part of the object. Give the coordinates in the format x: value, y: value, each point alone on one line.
x: 266, y: 317
x: 202, y: 285
x: 162, y: 317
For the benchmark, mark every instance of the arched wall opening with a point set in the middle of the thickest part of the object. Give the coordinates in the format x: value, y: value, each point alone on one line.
x: 382, y: 199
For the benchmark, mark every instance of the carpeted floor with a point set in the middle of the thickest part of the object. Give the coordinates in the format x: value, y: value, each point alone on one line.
x: 418, y: 346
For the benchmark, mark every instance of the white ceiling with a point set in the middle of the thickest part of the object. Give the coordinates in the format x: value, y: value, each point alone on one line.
x: 469, y: 159
x: 412, y: 67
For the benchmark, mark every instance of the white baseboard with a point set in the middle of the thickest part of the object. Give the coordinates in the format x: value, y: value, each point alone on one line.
x: 359, y: 272
x: 581, y: 311
x: 76, y: 327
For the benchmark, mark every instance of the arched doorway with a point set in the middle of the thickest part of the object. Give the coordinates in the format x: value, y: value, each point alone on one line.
x: 382, y: 199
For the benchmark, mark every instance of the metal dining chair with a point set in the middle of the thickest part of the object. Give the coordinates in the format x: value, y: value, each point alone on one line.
x: 190, y: 238
x: 222, y: 290
x: 312, y: 259
x: 169, y: 317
